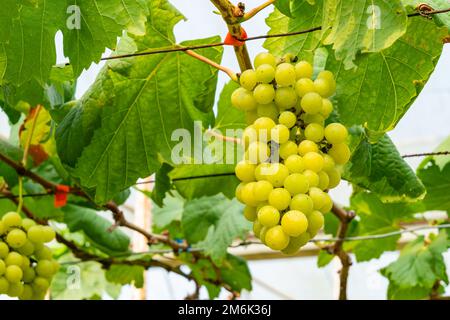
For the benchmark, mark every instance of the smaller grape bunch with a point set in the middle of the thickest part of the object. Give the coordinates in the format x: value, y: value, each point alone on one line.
x: 293, y: 156
x: 26, y: 264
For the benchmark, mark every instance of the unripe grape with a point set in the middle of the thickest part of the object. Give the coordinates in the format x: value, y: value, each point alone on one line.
x: 3, y: 229
x: 13, y: 274
x: 27, y: 223
x: 245, y: 171
x: 268, y: 216
x: 4, y: 285
x: 56, y: 265
x: 315, y: 222
x: 27, y: 293
x: 318, y: 197
x: 238, y: 192
x: 312, y: 103
x: 44, y: 268
x: 269, y: 110
x: 11, y: 219
x: 265, y: 58
x: 265, y: 73
x: 313, y: 178
x: 40, y: 284
x: 287, y: 118
x: 335, y: 178
x: 313, y: 118
x: 257, y: 152
x: 4, y: 250
x: 328, y: 163
x: 314, y: 132
x: 263, y: 126
x: 313, y: 161
x: 257, y: 228
x: 295, y: 243
x: 287, y: 149
x: 248, y: 195
x: 248, y: 79
x: 329, y: 77
x: 294, y: 223
x: 340, y: 153
x: 15, y: 289
x: 280, y: 198
x: 262, y: 189
x: 14, y: 258
x: 264, y: 93
x: 249, y: 135
x: 324, y: 181
x: 262, y: 234
x: 286, y: 98
x: 336, y: 133
x: 251, y: 116
x: 327, y: 108
x: 275, y: 173
x: 43, y: 254
x: 25, y: 262
x: 243, y: 99
x: 328, y: 204
x: 36, y: 234
x: 276, y: 239
x: 2, y: 267
x: 285, y: 75
x: 303, y: 69
x: 307, y: 146
x: 302, y: 203
x: 304, y: 86
x: 323, y: 88
x: 296, y: 183
x: 16, y: 238
x: 28, y: 275
x: 280, y: 134
x: 295, y: 164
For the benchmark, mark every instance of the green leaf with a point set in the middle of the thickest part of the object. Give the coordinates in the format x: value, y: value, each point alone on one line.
x: 386, y: 83
x: 354, y: 26
x: 380, y: 168
x: 324, y: 258
x: 126, y: 274
x: 236, y: 273
x: 96, y: 229
x: 440, y: 19
x: 171, y: 210
x: 305, y: 16
x: 162, y: 184
x: 437, y: 183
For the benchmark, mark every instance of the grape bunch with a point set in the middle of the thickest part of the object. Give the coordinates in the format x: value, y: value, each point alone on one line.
x: 292, y: 155
x: 26, y: 264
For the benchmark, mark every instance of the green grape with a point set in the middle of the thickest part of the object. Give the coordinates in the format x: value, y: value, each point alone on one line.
x: 269, y: 110
x: 40, y: 284
x: 334, y: 177
x: 304, y: 86
x: 251, y: 116
x: 323, y: 88
x: 276, y: 239
x: 279, y: 198
x: 286, y: 98
x: 257, y: 152
x: 11, y: 219
x: 288, y: 119
x: 302, y: 203
x: 15, y: 289
x: 3, y: 229
x: 4, y: 285
x: 336, y: 133
x: 16, y: 238
x: 340, y: 153
x: 262, y: 234
x: 36, y: 234
x: 248, y: 195
x: 265, y: 58
x: 43, y: 254
x: 285, y: 75
x: 245, y: 171
x: 249, y: 135
x: 248, y: 79
x: 315, y: 222
x: 250, y: 213
x: 4, y: 250
x: 2, y: 267
x: 268, y: 216
x: 295, y: 243
x: 328, y: 163
x: 265, y: 73
x: 14, y: 259
x: 56, y: 265
x: 327, y: 108
x: 27, y: 293
x: 13, y: 274
x: 238, y: 192
x: 27, y: 224
x: 312, y: 103
x: 329, y: 77
x: 314, y: 132
x: 313, y: 178
x: 25, y: 262
x: 263, y: 126
x: 313, y: 161
x: 313, y: 118
x: 318, y: 197
x: 324, y: 181
x: 257, y: 228
x: 275, y: 173
x: 28, y: 275
x: 296, y: 183
x: 44, y: 268
x: 287, y: 149
x: 262, y: 190
x: 264, y: 93
x: 280, y: 134
x: 328, y: 204
x: 295, y: 164
x: 303, y: 69
x: 38, y: 295
x: 289, y: 57
x: 294, y: 223
x: 243, y: 100
x: 307, y: 146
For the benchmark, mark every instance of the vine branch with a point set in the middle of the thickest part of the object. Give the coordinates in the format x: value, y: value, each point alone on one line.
x: 256, y: 10
x: 233, y: 76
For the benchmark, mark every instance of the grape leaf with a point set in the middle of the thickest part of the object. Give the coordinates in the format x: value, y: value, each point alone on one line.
x: 324, y: 258
x: 236, y: 273
x: 386, y: 83
x: 437, y: 183
x: 172, y: 210
x: 362, y: 26
x: 162, y: 184
x: 126, y: 274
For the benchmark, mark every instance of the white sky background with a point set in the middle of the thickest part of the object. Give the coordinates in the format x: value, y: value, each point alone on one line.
x: 421, y: 130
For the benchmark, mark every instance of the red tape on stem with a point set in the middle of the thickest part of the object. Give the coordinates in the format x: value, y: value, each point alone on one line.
x: 232, y: 41
x: 61, y: 194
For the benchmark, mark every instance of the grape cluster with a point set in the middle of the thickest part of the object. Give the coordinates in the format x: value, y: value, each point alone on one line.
x: 26, y: 264
x: 292, y: 158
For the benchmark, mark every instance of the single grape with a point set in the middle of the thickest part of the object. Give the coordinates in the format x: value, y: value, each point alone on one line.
x: 15, y: 289
x: 287, y: 118
x: 262, y: 189
x: 268, y: 216
x: 249, y: 135
x: 327, y: 108
x: 329, y: 77
x: 264, y: 93
x: 276, y: 239
x: 2, y: 267
x: 269, y: 110
x: 313, y: 118
x: 275, y: 173
x: 248, y: 79
x: 295, y: 243
x: 294, y: 223
x: 257, y: 152
x: 40, y: 284
x: 323, y: 87
x: 44, y: 268
x: 14, y: 259
x: 287, y: 149
x: 307, y: 146
x: 286, y: 98
x: 328, y: 162
x: 13, y: 274
x: 25, y: 262
x: 11, y: 219
x: 36, y: 234
x: 336, y: 133
x: 43, y: 254
x: 257, y: 228
x: 334, y: 177
x: 313, y: 178
x: 27, y: 293
x: 56, y: 265
x: 312, y: 103
x: 263, y: 126
x: 285, y: 75
x: 314, y: 132
x: 302, y: 203
x: 303, y: 69
x: 4, y: 285
x: 265, y: 58
x: 265, y: 73
x: 280, y: 134
x: 315, y: 222
x: 340, y: 153
x: 16, y: 238
x: 328, y: 204
x: 238, y: 192
x: 3, y: 229
x: 28, y: 275
x: 318, y: 197
x: 248, y: 195
x: 295, y: 164
x: 245, y: 171
x: 280, y: 198
x: 27, y: 223
x: 4, y: 250
x: 304, y: 86
x: 296, y: 183
x: 313, y: 161
x: 251, y: 116
x: 324, y: 181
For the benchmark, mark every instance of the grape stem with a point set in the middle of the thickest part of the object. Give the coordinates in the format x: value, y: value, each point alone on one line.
x: 255, y: 11
x: 233, y: 76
